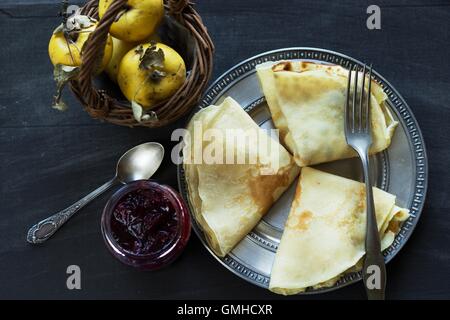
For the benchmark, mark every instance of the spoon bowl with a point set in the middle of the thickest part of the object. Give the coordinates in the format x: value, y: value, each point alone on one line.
x: 140, y: 162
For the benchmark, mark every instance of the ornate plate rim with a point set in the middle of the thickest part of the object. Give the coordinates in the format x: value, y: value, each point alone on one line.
x: 397, y: 103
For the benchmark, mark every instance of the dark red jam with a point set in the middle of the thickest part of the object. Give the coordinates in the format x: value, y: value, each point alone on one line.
x: 144, y: 221
x: 146, y: 225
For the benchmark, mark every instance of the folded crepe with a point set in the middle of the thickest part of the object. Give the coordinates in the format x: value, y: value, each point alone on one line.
x: 228, y: 200
x: 325, y: 232
x: 307, y: 102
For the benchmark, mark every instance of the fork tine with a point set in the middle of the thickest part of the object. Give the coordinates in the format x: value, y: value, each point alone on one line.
x: 362, y: 126
x: 367, y: 106
x: 355, y: 91
x: 347, y: 103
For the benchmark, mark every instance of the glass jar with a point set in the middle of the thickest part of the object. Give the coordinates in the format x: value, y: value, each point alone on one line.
x: 146, y: 225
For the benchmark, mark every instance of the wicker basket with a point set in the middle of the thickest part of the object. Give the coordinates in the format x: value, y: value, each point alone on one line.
x: 101, y: 105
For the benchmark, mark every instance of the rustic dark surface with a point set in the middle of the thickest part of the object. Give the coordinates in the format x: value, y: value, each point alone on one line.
x: 50, y: 159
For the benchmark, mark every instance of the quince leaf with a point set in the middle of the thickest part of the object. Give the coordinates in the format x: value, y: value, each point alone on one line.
x: 139, y: 115
x: 62, y: 74
x: 137, y: 110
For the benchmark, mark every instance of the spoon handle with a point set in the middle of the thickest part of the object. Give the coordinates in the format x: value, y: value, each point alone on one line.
x: 44, y: 229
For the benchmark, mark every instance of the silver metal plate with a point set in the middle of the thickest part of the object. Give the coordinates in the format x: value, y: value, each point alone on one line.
x: 400, y: 170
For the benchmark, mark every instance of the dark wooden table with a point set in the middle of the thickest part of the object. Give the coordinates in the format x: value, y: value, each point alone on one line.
x: 50, y: 159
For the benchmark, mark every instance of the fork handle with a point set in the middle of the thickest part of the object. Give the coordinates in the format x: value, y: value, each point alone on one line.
x: 374, y: 270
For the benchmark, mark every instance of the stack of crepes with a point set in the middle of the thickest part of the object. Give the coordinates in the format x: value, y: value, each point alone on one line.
x: 325, y: 231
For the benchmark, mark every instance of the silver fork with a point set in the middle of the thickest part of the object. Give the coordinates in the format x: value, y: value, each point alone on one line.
x: 358, y: 136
